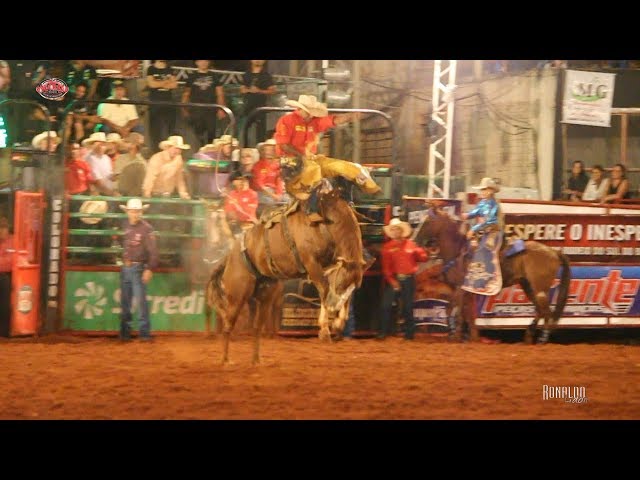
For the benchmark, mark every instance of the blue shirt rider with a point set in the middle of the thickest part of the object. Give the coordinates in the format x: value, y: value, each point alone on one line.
x: 488, y: 208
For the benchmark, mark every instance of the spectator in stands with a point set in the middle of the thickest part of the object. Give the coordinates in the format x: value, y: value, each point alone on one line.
x: 77, y: 173
x: 165, y: 172
x: 618, y: 185
x: 119, y: 118
x: 113, y: 146
x: 78, y: 71
x: 248, y: 158
x: 5, y: 80
x: 577, y: 182
x: 80, y: 116
x: 241, y: 203
x: 203, y: 86
x: 130, y: 167
x: 400, y: 257
x: 6, y: 262
x: 161, y: 83
x: 267, y: 178
x: 257, y: 86
x: 597, y: 187
x: 47, y: 143
x: 100, y: 163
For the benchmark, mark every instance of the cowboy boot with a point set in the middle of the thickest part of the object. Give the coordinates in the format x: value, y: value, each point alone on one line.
x: 313, y: 204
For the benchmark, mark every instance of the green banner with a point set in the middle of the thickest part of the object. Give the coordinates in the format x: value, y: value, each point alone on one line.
x: 92, y: 302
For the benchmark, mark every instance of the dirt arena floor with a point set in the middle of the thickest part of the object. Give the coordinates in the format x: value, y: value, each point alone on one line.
x: 70, y: 377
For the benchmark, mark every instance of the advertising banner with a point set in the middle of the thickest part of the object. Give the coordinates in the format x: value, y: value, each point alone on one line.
x: 587, y: 98
x: 92, y: 302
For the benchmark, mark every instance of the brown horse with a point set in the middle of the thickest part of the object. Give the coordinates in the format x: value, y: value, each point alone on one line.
x: 534, y: 269
x: 329, y: 254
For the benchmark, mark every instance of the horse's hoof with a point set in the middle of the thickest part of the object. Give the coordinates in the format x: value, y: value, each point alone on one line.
x: 324, y: 337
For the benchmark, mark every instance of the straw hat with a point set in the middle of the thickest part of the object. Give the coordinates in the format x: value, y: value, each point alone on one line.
x: 114, y: 138
x: 43, y: 136
x: 487, y: 182
x: 93, y: 206
x: 134, y: 204
x: 174, y: 141
x: 396, y: 222
x: 255, y: 156
x: 228, y: 139
x: 94, y: 137
x: 310, y: 104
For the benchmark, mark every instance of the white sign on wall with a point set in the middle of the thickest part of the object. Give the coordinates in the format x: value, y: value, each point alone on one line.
x: 587, y: 98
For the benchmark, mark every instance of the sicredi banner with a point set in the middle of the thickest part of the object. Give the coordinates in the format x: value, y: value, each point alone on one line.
x: 92, y: 302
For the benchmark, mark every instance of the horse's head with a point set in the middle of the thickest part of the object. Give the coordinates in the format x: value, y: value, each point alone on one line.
x: 342, y: 277
x: 440, y: 229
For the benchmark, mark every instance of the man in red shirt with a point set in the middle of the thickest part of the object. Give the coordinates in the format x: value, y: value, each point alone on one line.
x: 297, y: 135
x: 6, y: 260
x: 400, y: 257
x: 241, y: 203
x: 78, y: 178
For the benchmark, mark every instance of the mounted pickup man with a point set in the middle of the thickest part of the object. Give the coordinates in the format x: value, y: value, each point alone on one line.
x: 297, y: 136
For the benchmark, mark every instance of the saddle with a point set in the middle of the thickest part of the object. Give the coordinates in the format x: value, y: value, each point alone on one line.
x: 273, y: 216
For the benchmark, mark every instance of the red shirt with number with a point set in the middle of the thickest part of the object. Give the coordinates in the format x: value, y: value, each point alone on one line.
x: 241, y: 205
x: 401, y: 257
x: 294, y: 130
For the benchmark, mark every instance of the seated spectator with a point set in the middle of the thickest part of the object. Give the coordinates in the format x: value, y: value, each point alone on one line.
x: 101, y: 166
x: 130, y: 167
x: 6, y: 265
x: 577, y: 182
x: 80, y: 117
x: 618, y: 185
x: 113, y: 147
x: 597, y: 187
x: 241, y: 203
x: 227, y: 150
x: 165, y: 172
x: 46, y: 142
x: 267, y: 179
x: 119, y: 118
x: 248, y: 158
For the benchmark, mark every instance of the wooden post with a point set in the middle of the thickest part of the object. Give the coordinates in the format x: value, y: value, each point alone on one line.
x: 565, y: 151
x: 623, y: 138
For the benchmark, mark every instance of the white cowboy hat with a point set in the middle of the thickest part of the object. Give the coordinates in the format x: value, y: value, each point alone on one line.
x: 95, y: 137
x: 114, y: 138
x: 135, y: 138
x: 93, y: 206
x: 228, y: 139
x: 487, y: 182
x: 267, y: 143
x: 43, y: 136
x: 309, y: 104
x: 396, y: 222
x: 134, y: 204
x: 174, y: 141
x: 255, y: 156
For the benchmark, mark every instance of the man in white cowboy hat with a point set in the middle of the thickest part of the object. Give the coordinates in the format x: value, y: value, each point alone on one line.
x: 100, y: 163
x: 139, y: 259
x: 45, y: 142
x: 130, y: 167
x: 400, y: 257
x: 41, y: 140
x: 297, y: 136
x: 165, y: 170
x: 488, y: 209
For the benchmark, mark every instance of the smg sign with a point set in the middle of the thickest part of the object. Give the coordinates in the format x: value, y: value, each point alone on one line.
x: 587, y: 98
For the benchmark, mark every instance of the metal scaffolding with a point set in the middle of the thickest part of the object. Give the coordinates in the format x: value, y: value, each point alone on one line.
x: 444, y: 77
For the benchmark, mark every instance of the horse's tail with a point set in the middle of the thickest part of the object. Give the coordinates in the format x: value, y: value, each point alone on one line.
x: 563, y: 291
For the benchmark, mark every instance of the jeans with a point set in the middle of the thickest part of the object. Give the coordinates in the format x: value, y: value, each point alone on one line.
x: 131, y: 286
x: 139, y: 128
x: 407, y: 292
